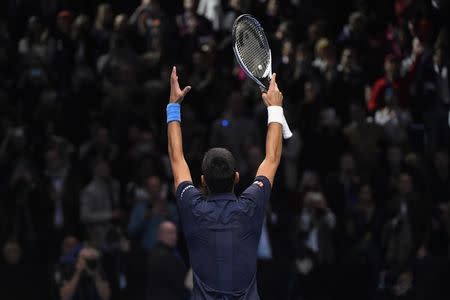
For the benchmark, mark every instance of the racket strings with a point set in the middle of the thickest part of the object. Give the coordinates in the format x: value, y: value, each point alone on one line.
x: 252, y: 47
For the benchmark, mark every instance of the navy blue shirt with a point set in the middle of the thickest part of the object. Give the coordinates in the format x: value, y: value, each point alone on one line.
x: 222, y: 233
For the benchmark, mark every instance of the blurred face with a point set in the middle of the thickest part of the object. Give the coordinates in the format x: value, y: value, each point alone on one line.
x: 64, y: 24
x: 310, y: 180
x: 310, y: 92
x: 188, y: 4
x: 102, y: 169
x: 54, y: 160
x: 357, y: 24
x: 120, y: 23
x: 12, y: 253
x: 315, y: 201
x: 80, y: 26
x: 105, y: 14
x: 313, y: 32
x: 35, y: 26
x: 69, y: 244
x: 302, y: 54
x: 272, y: 8
x: 347, y: 164
x: 390, y: 67
x: 102, y: 136
x: 287, y: 49
x: 167, y: 234
x: 441, y: 161
x: 365, y: 195
x: 154, y: 186
x: 235, y: 4
x: 347, y: 58
x: 405, y: 184
x: 417, y: 45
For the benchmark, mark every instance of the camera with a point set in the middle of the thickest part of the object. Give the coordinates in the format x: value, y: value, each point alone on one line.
x: 91, y: 264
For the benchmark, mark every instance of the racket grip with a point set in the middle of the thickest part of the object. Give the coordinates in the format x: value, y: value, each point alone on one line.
x: 287, y: 133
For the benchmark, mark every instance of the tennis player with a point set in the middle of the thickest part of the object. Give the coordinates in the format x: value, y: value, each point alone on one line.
x: 222, y: 230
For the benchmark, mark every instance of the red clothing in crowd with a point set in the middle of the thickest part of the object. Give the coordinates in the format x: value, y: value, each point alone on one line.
x: 400, y: 88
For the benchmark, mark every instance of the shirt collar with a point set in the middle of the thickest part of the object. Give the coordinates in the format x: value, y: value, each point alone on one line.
x: 222, y: 197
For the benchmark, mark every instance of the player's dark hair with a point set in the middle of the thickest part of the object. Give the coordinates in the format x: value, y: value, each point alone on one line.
x: 218, y: 168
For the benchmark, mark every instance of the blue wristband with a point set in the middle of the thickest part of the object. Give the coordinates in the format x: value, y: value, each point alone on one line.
x: 173, y: 112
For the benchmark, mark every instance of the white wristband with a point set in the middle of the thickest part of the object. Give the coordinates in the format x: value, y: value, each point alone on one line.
x: 275, y: 114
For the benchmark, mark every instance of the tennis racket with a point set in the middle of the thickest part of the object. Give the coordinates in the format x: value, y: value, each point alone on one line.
x: 253, y: 54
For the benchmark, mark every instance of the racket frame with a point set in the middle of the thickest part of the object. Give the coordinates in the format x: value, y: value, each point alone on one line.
x: 268, y: 72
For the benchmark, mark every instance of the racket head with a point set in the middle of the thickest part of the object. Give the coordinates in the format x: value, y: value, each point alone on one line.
x: 252, y: 50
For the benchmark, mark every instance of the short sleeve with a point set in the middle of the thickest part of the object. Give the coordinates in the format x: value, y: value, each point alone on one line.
x: 187, y: 194
x: 259, y: 191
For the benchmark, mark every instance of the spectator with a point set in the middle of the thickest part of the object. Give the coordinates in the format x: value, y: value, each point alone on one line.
x: 364, y: 138
x: 37, y: 44
x: 408, y: 207
x: 393, y: 89
x: 64, y: 50
x: 58, y: 213
x: 149, y: 213
x: 354, y: 33
x: 351, y: 84
x: 166, y: 270
x: 80, y: 33
x: 235, y: 9
x: 212, y: 10
x: 308, y: 120
x: 84, y: 279
x: 21, y: 221
x: 361, y: 252
x: 103, y: 28
x: 433, y: 85
x: 100, y: 146
x: 342, y: 188
x: 314, y: 251
x: 15, y: 274
x: 100, y: 204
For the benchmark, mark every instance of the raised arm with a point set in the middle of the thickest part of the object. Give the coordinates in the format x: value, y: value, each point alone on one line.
x: 180, y: 168
x: 273, y: 99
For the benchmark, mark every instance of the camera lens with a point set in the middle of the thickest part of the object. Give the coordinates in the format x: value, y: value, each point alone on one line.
x: 92, y: 263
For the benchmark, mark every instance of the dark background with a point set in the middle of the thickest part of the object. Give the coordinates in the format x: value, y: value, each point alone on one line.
x: 365, y: 93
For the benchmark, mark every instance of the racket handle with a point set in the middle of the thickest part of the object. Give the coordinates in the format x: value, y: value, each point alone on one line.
x: 287, y: 133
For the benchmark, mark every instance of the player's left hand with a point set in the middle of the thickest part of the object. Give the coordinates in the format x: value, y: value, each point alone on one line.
x: 176, y: 94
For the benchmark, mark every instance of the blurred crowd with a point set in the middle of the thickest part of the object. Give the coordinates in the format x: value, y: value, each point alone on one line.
x: 361, y: 203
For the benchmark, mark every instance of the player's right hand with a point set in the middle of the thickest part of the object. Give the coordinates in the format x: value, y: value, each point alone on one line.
x: 273, y: 96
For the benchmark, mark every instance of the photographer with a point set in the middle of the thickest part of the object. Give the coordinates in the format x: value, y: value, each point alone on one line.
x: 85, y: 280
x: 314, y: 250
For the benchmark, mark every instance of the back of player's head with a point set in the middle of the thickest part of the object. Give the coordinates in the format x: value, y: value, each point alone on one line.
x: 218, y: 169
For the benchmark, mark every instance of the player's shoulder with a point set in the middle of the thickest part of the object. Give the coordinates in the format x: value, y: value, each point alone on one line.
x: 262, y: 182
x: 183, y: 187
x: 186, y: 193
x: 260, y: 185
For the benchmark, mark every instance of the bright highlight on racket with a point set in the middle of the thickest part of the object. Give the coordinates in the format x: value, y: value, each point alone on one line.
x: 253, y: 54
